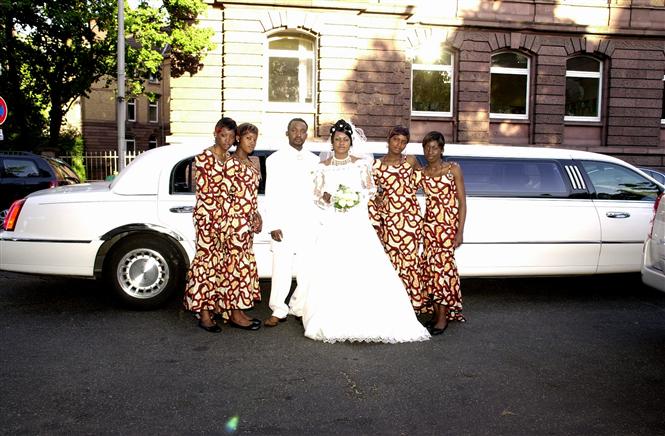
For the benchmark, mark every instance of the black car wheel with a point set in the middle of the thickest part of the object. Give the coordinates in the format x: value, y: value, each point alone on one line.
x: 144, y: 271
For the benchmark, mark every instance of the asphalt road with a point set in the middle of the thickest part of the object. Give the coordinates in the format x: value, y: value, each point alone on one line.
x: 545, y: 356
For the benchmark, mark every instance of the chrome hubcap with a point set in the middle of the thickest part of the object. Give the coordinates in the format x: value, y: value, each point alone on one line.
x: 143, y: 273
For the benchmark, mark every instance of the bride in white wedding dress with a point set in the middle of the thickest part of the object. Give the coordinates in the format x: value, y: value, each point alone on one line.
x: 353, y: 292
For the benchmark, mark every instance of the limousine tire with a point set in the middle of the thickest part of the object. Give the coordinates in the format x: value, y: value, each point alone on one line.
x: 144, y: 271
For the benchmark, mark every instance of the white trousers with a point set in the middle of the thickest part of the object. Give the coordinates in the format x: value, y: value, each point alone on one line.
x: 287, y: 260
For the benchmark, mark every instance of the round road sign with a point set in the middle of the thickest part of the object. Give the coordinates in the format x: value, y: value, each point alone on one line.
x: 3, y: 110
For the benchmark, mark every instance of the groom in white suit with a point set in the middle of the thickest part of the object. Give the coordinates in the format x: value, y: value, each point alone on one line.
x: 290, y: 215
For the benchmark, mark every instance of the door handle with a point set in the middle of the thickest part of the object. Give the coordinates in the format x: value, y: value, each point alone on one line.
x: 182, y: 209
x: 617, y: 214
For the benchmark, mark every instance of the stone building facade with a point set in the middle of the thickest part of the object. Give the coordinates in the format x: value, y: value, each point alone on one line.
x: 585, y: 74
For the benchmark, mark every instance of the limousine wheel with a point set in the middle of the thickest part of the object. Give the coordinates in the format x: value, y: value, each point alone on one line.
x: 143, y: 271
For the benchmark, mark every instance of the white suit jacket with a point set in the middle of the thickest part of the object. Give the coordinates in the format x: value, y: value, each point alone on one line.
x: 289, y: 193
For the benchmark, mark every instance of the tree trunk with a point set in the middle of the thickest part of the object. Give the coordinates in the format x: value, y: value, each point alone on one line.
x: 54, y: 124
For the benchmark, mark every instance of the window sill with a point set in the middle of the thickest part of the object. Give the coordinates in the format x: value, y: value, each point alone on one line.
x: 433, y: 116
x: 510, y: 120
x: 508, y: 117
x: 581, y: 120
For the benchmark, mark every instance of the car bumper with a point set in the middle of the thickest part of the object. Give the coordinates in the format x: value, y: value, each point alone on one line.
x: 653, y: 270
x: 654, y: 278
x: 70, y: 258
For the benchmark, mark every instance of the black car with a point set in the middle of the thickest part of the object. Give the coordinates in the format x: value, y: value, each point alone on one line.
x: 23, y: 173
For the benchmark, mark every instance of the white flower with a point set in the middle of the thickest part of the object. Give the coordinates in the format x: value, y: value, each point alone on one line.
x: 344, y: 199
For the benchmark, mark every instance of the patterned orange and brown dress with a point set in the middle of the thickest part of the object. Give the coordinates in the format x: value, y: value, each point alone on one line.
x: 202, y: 291
x: 398, y: 223
x: 240, y: 278
x: 441, y: 282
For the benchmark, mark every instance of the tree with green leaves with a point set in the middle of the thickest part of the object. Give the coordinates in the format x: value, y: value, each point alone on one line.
x: 53, y: 51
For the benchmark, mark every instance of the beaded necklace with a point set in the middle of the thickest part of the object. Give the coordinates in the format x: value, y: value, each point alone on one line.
x: 337, y: 162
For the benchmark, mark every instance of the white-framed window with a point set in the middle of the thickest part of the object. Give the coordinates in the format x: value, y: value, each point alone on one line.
x: 583, y: 89
x: 152, y: 142
x: 131, y: 109
x: 662, y: 114
x: 291, y: 76
x: 432, y: 83
x: 153, y: 110
x: 509, y: 86
x: 130, y: 145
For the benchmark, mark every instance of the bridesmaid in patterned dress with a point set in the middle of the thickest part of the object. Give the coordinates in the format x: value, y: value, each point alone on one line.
x: 240, y: 279
x: 202, y: 292
x: 395, y: 212
x: 443, y: 230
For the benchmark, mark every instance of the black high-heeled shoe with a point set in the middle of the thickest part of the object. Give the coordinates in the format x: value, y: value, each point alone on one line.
x: 210, y: 329
x: 251, y: 326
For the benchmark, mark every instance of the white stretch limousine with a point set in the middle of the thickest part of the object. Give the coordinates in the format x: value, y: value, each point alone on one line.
x: 531, y: 211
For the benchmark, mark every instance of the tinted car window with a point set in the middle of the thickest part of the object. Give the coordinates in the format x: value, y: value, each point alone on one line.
x: 513, y: 177
x: 485, y: 177
x: 182, y: 176
x: 65, y: 174
x: 182, y: 181
x: 23, y: 168
x: 262, y: 155
x: 615, y: 182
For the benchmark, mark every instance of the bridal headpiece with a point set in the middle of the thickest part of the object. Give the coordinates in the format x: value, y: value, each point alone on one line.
x: 344, y: 127
x: 357, y: 135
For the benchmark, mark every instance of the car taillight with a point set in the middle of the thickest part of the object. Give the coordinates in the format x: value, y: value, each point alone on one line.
x: 12, y: 216
x: 655, y: 209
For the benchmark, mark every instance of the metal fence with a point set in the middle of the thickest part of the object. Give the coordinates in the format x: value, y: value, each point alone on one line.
x: 99, y: 165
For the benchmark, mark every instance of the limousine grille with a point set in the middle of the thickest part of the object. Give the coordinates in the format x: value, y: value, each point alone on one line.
x: 575, y: 177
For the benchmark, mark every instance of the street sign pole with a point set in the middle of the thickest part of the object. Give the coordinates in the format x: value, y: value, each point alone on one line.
x: 122, y: 107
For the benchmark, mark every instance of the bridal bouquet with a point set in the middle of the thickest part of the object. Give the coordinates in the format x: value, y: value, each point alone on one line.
x: 344, y: 199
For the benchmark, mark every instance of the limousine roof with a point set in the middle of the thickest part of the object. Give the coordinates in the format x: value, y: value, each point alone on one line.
x: 483, y: 150
x: 479, y: 150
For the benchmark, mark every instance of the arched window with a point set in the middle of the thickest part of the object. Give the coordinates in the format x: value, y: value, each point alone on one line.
x: 583, y: 89
x: 291, y: 77
x: 432, y: 83
x: 509, y: 86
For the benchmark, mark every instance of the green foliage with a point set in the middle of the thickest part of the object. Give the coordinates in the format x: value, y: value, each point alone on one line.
x: 168, y: 30
x: 53, y: 51
x: 71, y: 143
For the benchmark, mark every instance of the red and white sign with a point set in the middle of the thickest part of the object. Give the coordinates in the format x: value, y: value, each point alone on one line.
x: 3, y: 110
